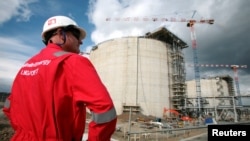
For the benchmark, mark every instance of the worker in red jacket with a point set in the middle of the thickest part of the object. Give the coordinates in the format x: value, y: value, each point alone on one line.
x: 52, y: 90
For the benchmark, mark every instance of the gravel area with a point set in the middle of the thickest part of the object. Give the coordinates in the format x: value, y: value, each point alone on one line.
x: 122, y: 128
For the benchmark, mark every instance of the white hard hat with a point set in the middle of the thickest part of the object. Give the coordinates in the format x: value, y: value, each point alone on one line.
x: 60, y: 21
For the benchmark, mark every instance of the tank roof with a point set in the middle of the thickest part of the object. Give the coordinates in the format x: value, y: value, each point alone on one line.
x: 166, y: 36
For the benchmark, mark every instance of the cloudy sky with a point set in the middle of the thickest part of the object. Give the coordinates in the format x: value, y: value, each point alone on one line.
x: 225, y: 42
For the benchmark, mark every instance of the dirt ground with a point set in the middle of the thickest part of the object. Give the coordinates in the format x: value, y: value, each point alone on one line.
x: 122, y: 129
x: 149, y: 132
x: 5, y: 129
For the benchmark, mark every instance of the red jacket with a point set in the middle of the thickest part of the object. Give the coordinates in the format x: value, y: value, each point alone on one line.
x: 49, y: 97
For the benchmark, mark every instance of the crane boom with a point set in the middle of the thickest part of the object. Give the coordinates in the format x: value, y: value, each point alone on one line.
x: 163, y: 19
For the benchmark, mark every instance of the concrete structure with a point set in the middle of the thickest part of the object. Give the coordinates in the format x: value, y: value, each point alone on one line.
x: 217, y: 97
x: 215, y: 92
x: 144, y: 74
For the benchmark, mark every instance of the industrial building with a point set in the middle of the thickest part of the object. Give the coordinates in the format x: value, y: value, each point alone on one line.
x: 211, y: 88
x: 144, y: 74
x: 218, y: 97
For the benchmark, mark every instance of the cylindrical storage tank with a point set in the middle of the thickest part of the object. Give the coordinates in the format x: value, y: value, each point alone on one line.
x: 210, y: 88
x: 135, y: 72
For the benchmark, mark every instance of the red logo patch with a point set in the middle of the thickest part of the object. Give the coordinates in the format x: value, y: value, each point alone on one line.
x: 51, y: 21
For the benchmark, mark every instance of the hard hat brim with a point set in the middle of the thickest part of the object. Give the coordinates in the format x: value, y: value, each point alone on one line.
x: 83, y: 33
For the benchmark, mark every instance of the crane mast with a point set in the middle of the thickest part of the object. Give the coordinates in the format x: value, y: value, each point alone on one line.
x: 196, y: 68
x: 235, y: 67
x: 195, y: 60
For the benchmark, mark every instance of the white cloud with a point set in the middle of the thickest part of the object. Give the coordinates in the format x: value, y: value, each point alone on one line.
x: 135, y: 12
x: 113, y: 9
x: 18, y: 8
x: 13, y: 55
x: 225, y: 14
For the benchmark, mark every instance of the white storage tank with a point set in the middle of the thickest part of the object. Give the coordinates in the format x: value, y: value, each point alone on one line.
x: 137, y: 72
x: 211, y: 89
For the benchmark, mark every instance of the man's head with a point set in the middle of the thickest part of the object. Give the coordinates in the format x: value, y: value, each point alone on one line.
x: 63, y: 31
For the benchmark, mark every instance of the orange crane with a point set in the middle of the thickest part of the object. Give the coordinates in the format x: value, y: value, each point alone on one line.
x: 176, y: 113
x: 236, y: 79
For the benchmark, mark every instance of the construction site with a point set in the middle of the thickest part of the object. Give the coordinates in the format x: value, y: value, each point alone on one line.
x: 147, y: 75
x: 146, y: 78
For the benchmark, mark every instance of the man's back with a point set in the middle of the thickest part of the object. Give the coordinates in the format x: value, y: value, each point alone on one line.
x: 40, y: 108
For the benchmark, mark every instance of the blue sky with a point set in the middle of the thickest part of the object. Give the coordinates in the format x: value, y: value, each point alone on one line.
x: 224, y: 42
x: 21, y: 23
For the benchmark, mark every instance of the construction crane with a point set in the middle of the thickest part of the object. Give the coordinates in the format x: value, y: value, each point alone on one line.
x: 235, y: 69
x: 195, y: 60
x: 236, y: 79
